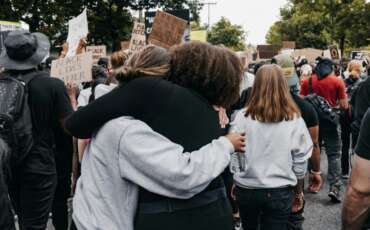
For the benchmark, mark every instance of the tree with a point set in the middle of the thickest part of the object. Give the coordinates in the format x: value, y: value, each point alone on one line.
x: 227, y: 34
x: 319, y: 23
x: 109, y: 20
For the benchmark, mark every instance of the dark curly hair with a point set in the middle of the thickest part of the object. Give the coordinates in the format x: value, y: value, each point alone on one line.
x: 212, y: 71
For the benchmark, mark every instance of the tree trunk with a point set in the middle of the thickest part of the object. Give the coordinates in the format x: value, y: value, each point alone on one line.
x: 341, y: 44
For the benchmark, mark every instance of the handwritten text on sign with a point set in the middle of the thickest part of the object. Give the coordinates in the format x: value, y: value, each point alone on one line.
x: 97, y: 52
x: 138, y: 39
x: 75, y: 69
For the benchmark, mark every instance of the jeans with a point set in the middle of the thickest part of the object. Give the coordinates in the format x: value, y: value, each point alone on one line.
x: 330, y: 136
x: 265, y: 209
x: 6, y: 214
x: 32, y: 196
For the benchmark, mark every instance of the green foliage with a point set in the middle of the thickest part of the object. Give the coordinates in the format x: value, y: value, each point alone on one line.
x: 227, y: 34
x: 109, y: 20
x: 319, y: 23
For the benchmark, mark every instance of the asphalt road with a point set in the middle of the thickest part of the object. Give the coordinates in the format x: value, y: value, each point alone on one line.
x: 320, y: 213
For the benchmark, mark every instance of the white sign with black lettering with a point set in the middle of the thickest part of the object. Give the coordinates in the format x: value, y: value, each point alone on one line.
x: 138, y: 39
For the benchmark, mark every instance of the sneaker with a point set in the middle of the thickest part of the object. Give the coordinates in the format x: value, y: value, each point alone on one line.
x: 334, y: 195
x: 237, y: 224
x: 345, y: 176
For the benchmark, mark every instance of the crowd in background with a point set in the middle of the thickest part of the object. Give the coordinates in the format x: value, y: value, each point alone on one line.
x: 189, y: 138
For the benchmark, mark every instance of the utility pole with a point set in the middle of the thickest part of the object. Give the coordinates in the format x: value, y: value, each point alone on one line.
x: 209, y: 4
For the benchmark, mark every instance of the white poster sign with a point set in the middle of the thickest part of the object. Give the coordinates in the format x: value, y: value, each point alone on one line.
x: 77, y: 29
x: 97, y: 52
x: 138, y: 39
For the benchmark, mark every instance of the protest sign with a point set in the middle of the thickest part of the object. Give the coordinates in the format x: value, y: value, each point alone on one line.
x: 97, y: 52
x: 310, y: 53
x: 77, y: 29
x: 5, y: 28
x: 74, y: 69
x: 288, y: 44
x: 334, y: 52
x: 199, y: 35
x: 138, y: 39
x: 167, y: 30
x: 268, y: 51
x: 150, y: 15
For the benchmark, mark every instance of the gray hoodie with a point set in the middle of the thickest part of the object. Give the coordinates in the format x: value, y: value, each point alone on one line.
x: 125, y: 154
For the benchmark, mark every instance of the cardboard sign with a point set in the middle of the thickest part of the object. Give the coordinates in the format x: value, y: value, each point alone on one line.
x: 77, y: 29
x: 5, y: 28
x: 310, y: 53
x: 288, y: 45
x: 167, y: 30
x: 334, y: 52
x: 74, y: 69
x: 138, y: 39
x: 268, y: 51
x: 97, y: 52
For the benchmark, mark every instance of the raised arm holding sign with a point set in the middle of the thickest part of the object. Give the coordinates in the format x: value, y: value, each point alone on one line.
x: 77, y: 29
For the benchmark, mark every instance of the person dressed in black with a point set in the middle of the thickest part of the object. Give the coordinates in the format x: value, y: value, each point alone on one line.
x: 33, y: 181
x: 6, y: 214
x: 355, y: 211
x: 180, y: 108
x: 352, y: 83
x: 63, y: 161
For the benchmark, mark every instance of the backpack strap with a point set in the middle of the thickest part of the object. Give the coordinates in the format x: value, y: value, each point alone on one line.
x: 28, y: 77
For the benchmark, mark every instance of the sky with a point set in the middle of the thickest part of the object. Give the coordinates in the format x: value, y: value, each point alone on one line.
x: 255, y: 16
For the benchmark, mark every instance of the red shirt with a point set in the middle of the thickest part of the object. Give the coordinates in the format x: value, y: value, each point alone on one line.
x: 331, y: 88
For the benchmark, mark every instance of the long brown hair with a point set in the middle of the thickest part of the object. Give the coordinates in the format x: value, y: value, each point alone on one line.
x: 152, y: 61
x: 270, y: 99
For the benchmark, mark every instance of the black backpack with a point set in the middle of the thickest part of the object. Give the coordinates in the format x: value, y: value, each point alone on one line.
x: 326, y: 114
x: 15, y: 115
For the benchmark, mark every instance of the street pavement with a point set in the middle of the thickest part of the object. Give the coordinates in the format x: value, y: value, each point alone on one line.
x: 320, y: 213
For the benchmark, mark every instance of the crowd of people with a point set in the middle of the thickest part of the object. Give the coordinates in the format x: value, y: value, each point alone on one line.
x: 189, y: 137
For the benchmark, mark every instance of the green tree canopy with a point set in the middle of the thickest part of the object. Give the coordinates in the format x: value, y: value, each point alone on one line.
x: 319, y: 23
x: 227, y: 34
x: 110, y: 21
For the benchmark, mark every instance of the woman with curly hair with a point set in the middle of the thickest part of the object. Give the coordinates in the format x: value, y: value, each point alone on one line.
x: 178, y: 105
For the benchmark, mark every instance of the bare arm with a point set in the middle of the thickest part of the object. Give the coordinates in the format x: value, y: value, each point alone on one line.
x: 343, y: 104
x: 315, y: 158
x: 357, y: 201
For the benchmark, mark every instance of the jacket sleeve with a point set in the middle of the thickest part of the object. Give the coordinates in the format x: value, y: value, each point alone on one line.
x: 301, y: 149
x: 155, y: 163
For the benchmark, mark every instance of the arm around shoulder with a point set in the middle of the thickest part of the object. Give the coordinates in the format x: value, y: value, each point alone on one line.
x: 161, y: 166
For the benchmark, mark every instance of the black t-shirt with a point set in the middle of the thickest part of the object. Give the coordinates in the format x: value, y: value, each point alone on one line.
x: 363, y: 142
x: 308, y: 112
x: 49, y: 105
x: 181, y: 115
